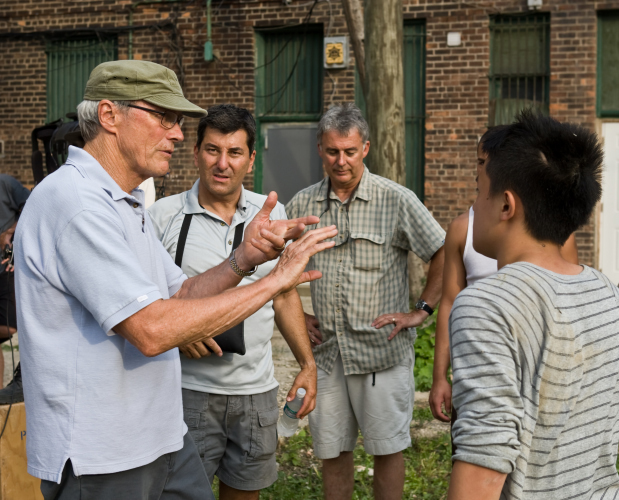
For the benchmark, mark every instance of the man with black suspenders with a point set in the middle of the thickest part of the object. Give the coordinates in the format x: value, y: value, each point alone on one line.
x: 230, y: 402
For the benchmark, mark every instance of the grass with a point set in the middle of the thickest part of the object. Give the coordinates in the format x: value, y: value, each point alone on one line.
x: 427, y: 463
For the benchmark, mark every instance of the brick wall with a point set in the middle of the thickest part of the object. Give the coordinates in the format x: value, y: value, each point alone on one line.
x: 456, y: 77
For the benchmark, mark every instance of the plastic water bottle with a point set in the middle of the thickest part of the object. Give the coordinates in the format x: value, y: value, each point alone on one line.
x: 288, y: 422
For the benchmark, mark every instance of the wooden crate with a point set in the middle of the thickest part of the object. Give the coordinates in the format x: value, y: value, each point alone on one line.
x: 15, y: 482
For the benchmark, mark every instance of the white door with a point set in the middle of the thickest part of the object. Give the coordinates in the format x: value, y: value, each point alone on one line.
x: 609, y: 229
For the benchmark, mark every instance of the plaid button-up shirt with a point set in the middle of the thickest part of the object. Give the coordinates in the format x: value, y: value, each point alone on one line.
x: 365, y: 274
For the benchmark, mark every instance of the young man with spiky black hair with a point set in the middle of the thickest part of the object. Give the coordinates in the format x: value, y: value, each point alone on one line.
x: 535, y: 347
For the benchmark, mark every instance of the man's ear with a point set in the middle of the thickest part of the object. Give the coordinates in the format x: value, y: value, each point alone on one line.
x: 196, y: 150
x: 252, y: 159
x: 366, y: 148
x: 508, y: 210
x: 108, y: 115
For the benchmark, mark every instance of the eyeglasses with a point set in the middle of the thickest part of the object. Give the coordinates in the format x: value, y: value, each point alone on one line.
x: 168, y: 118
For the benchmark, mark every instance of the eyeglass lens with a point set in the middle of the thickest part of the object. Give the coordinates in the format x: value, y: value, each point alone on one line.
x: 170, y: 119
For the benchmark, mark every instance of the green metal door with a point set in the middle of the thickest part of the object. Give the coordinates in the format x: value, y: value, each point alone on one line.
x: 608, y: 65
x: 289, y: 78
x: 414, y: 60
x: 415, y: 104
x: 69, y: 64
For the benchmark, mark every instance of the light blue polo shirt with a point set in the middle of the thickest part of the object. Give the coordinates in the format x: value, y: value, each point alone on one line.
x: 86, y: 258
x: 209, y: 243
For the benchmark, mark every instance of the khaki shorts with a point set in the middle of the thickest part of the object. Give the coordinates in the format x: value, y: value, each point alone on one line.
x: 236, y: 436
x: 379, y: 404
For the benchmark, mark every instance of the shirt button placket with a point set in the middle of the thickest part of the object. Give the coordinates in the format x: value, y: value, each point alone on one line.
x: 339, y: 316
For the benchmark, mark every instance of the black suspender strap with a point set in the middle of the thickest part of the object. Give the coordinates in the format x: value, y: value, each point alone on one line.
x: 182, y: 238
x: 238, y: 235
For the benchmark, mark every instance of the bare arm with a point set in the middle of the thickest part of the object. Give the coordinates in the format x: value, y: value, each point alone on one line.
x: 454, y: 281
x: 165, y: 324
x: 472, y: 482
x: 431, y: 294
x: 290, y: 321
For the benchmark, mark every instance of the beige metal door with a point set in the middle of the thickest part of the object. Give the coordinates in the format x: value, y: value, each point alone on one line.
x: 609, y: 228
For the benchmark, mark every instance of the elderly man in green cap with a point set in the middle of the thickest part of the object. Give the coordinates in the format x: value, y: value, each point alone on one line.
x: 103, y: 308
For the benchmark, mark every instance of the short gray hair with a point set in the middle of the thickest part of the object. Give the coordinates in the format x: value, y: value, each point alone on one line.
x: 343, y: 118
x: 88, y: 116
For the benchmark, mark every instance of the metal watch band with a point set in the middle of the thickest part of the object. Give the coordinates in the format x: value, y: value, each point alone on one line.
x: 237, y: 270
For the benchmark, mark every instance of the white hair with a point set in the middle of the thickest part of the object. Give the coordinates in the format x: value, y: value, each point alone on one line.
x: 343, y: 118
x: 88, y: 116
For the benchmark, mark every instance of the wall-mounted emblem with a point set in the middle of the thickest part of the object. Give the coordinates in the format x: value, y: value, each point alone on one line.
x: 336, y: 52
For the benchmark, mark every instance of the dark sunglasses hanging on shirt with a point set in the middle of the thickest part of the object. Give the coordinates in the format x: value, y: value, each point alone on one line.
x: 232, y: 340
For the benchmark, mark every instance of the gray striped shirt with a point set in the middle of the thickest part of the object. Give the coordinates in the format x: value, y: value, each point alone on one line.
x: 535, y: 359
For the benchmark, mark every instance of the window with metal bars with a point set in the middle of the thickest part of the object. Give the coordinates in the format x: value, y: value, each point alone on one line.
x: 69, y: 63
x: 519, y: 65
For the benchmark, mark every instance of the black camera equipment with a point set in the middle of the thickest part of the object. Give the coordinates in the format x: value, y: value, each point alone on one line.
x: 7, y: 253
x: 56, y: 137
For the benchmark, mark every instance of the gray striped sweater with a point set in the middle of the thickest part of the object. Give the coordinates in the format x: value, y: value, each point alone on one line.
x: 535, y: 359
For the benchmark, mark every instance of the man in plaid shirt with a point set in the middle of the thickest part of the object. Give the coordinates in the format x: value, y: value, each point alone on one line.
x: 363, y: 332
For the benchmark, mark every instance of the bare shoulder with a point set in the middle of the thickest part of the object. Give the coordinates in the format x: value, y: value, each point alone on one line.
x: 456, y: 233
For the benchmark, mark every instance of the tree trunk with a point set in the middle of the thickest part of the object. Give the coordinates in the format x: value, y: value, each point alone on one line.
x: 354, y: 21
x: 385, y: 83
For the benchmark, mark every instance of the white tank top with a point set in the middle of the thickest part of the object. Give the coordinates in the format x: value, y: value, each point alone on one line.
x: 477, y: 266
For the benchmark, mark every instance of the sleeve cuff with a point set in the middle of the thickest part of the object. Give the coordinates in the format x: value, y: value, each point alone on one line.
x: 432, y: 251
x: 130, y: 309
x: 175, y: 287
x: 489, y: 460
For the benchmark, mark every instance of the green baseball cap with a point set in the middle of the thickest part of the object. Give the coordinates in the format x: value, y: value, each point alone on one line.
x: 139, y: 81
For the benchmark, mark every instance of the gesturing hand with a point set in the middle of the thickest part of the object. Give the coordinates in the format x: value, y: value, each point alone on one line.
x: 400, y: 321
x: 265, y: 239
x: 290, y: 269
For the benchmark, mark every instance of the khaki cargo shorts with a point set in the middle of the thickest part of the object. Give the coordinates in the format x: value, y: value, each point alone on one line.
x: 379, y: 404
x: 236, y: 436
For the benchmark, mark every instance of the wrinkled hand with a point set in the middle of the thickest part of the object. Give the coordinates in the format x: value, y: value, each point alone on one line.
x: 199, y: 349
x: 290, y: 269
x: 312, y: 326
x: 265, y: 239
x: 402, y: 320
x: 306, y: 379
x: 440, y: 399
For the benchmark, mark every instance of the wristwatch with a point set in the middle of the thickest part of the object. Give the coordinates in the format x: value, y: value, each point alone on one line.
x: 238, y: 271
x: 422, y: 304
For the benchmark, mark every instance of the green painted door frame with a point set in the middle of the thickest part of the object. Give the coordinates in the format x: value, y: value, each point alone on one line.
x: 607, y: 100
x: 415, y: 104
x: 414, y: 55
x: 289, y: 79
